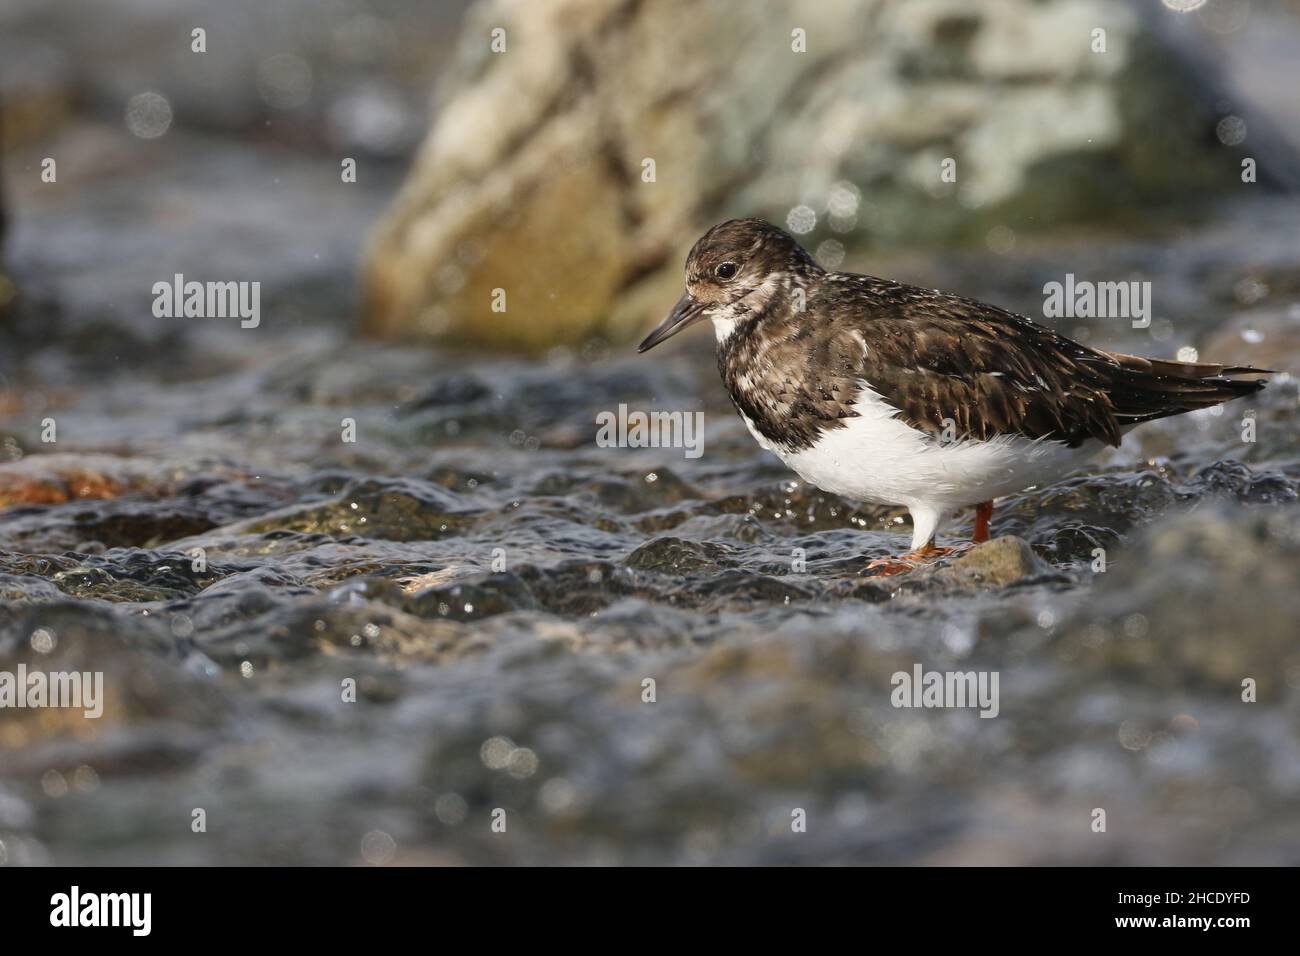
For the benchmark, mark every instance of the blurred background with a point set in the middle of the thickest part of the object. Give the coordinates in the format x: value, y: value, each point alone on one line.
x: 184, y: 506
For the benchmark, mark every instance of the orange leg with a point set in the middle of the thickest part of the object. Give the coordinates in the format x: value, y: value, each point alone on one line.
x: 983, y: 515
x: 902, y: 563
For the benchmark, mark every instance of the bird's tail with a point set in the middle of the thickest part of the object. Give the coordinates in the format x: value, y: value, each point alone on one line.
x: 1143, y: 389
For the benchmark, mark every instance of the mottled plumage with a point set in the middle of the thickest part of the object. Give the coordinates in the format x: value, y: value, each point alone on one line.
x: 804, y: 353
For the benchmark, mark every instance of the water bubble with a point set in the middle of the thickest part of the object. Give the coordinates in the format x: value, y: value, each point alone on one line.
x: 843, y: 199
x: 801, y: 220
x: 523, y: 763
x: 377, y: 847
x: 53, y: 784
x: 1188, y: 354
x: 830, y: 254
x: 557, y: 795
x: 1231, y: 130
x: 1094, y: 635
x: 451, y: 809
x: 1184, y: 6
x: 1250, y: 290
x: 1133, y: 736
x: 85, y: 780
x: 43, y: 640
x: 148, y: 115
x: 842, y: 224
x: 495, y: 752
x: 1184, y: 723
x: 284, y: 80
x: 1135, y: 625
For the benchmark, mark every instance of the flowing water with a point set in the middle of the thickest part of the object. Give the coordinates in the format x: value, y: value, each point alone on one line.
x: 500, y: 591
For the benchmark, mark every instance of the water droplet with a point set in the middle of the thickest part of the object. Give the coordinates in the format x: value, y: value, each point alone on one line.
x: 801, y: 220
x: 148, y: 115
x: 1231, y: 130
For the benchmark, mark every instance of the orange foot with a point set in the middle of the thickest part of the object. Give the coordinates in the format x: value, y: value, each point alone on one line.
x: 902, y: 563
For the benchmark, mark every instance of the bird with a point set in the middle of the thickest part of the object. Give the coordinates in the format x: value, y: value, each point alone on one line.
x: 885, y: 393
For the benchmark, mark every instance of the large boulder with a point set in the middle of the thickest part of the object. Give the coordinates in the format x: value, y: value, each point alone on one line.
x: 534, y: 179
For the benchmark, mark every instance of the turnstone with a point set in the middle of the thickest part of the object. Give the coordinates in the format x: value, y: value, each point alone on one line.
x: 889, y: 394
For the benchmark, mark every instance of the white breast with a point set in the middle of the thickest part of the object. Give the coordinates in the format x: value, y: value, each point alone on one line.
x: 878, y: 459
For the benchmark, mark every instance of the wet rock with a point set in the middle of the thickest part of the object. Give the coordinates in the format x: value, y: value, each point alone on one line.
x: 586, y: 93
x: 22, y: 588
x: 282, y: 633
x: 806, y: 508
x: 576, y: 588
x: 862, y: 589
x: 1238, y: 482
x: 361, y: 590
x: 669, y: 555
x: 395, y: 509
x: 639, y: 492
x: 53, y: 479
x: 1069, y: 521
x: 472, y: 597
x: 996, y: 563
x: 125, y: 523
x: 740, y: 590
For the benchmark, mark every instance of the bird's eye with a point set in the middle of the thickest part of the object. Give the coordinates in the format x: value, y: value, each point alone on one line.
x: 726, y: 270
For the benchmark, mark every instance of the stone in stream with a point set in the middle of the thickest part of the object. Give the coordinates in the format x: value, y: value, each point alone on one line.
x: 995, y: 563
x: 568, y: 170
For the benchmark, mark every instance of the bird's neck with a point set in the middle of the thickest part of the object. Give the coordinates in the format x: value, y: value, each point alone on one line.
x: 780, y: 297
x: 754, y: 355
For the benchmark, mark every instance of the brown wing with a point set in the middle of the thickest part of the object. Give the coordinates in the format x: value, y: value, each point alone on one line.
x: 937, y: 357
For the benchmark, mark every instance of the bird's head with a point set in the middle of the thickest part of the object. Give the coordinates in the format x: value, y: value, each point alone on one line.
x: 732, y: 264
